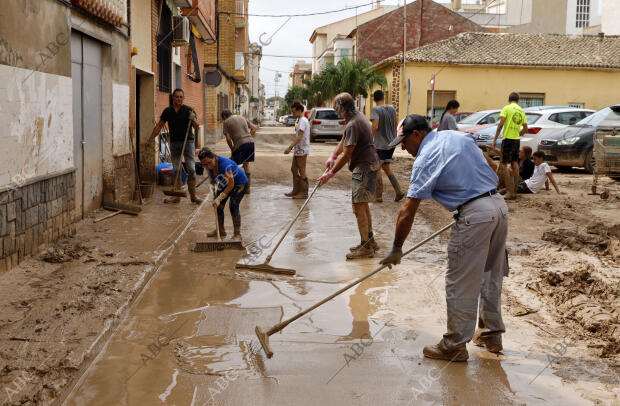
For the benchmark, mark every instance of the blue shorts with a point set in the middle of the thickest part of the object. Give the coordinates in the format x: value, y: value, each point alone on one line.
x: 385, y: 155
x: 245, y: 153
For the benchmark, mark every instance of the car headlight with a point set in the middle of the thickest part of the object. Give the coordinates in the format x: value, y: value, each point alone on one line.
x: 568, y: 141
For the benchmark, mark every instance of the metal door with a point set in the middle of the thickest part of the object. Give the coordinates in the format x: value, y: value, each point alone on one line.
x: 86, y: 69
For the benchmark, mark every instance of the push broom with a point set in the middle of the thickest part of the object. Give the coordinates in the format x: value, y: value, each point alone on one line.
x: 212, y: 246
x: 263, y: 338
x: 265, y: 267
x: 174, y: 191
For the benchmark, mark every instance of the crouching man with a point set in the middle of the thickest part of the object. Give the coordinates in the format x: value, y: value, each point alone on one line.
x: 230, y: 182
x: 451, y: 169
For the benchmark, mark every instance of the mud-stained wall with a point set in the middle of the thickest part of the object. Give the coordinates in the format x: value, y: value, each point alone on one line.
x: 37, y: 138
x: 35, y: 35
x: 35, y: 81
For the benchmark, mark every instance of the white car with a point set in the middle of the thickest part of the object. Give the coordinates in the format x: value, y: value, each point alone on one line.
x: 542, y: 119
x: 539, y: 120
x: 479, y: 118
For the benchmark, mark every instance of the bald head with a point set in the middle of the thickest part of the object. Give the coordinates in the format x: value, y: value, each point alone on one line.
x: 344, y: 105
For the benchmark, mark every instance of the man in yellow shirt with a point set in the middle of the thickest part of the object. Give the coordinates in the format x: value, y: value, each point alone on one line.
x: 514, y: 124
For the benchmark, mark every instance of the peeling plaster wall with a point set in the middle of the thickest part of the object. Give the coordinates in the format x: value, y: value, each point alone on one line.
x: 37, y: 117
x: 120, y: 119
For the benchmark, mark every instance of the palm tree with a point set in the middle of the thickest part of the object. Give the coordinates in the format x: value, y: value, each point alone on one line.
x: 346, y: 76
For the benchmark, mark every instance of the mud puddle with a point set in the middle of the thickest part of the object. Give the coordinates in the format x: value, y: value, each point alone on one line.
x: 190, y: 339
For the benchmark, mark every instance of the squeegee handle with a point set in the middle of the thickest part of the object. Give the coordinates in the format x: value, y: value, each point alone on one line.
x: 290, y: 225
x: 285, y: 323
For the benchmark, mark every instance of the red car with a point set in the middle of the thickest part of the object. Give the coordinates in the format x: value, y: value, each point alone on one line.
x: 458, y: 116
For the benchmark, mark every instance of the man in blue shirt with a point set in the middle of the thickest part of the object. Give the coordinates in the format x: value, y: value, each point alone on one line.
x: 451, y: 169
x: 231, y: 182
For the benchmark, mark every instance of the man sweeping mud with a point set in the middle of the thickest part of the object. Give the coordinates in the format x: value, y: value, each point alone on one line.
x: 451, y: 169
x: 231, y: 182
x: 239, y: 133
x: 359, y: 152
x: 179, y: 117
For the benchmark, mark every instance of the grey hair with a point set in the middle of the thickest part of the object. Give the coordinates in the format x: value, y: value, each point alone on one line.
x: 347, y: 106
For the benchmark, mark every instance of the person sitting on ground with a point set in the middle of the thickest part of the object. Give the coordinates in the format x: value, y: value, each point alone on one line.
x: 542, y: 173
x: 230, y: 182
x: 526, y: 166
x: 301, y: 149
x: 239, y: 134
x: 447, y: 120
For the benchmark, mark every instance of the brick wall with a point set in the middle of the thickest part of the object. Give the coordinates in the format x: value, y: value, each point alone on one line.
x: 35, y: 214
x: 383, y: 37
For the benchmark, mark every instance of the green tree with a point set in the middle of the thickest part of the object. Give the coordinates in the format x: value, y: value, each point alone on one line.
x: 295, y: 93
x: 346, y: 76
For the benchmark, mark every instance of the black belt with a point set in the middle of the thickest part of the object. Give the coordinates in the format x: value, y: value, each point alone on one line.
x: 485, y: 194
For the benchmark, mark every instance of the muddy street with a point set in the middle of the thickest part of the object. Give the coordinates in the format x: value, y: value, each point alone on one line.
x: 187, y: 336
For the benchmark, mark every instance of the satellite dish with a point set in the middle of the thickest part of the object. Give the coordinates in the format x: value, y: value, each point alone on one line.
x: 213, y: 78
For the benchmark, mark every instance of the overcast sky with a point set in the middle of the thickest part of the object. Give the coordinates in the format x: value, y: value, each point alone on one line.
x: 293, y: 38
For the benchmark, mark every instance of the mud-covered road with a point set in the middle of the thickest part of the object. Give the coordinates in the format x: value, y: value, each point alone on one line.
x: 170, y: 326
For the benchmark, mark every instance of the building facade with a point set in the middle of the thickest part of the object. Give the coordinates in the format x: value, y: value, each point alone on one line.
x: 426, y: 22
x: 480, y: 70
x: 226, y: 59
x: 66, y: 83
x: 323, y: 38
x: 301, y: 70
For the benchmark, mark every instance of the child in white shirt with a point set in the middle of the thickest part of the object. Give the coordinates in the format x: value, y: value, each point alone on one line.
x: 542, y: 174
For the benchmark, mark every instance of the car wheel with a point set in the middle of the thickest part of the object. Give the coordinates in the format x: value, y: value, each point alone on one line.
x: 589, y: 162
x: 563, y: 168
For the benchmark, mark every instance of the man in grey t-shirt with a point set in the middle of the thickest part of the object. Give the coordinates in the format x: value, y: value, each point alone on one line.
x: 359, y: 151
x: 383, y: 118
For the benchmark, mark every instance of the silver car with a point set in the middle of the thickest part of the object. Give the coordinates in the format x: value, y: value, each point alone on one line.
x: 325, y: 123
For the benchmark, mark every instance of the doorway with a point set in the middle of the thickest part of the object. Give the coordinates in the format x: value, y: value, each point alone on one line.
x: 86, y: 72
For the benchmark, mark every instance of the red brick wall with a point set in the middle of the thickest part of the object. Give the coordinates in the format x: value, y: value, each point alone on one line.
x: 383, y: 37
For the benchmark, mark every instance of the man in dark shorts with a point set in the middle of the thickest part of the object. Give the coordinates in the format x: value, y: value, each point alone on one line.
x: 231, y: 183
x: 361, y: 155
x: 179, y: 116
x: 383, y: 118
x: 239, y: 134
x: 513, y: 122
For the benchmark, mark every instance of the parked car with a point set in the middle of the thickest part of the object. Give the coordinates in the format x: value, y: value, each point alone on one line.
x: 290, y: 120
x: 282, y: 119
x: 479, y: 118
x: 325, y: 123
x: 539, y: 120
x: 458, y: 116
x: 573, y: 145
x: 607, y: 146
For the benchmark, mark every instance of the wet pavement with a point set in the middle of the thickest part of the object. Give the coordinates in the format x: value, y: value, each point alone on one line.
x: 189, y: 338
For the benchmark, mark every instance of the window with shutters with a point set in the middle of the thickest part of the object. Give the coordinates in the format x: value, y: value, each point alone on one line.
x: 582, y: 17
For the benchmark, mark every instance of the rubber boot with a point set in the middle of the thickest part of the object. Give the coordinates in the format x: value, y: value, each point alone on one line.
x: 303, y: 189
x: 396, y: 186
x: 247, y: 188
x: 220, y: 221
x: 511, y: 188
x: 379, y: 193
x: 295, y: 190
x: 237, y: 227
x: 191, y: 187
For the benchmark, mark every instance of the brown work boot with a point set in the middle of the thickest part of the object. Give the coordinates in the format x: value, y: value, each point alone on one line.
x: 493, y: 343
x: 247, y: 187
x: 379, y: 191
x: 295, y: 190
x: 191, y: 187
x: 303, y: 189
x: 364, y: 251
x: 174, y: 199
x: 439, y: 351
x: 372, y: 242
x: 399, y: 193
x: 237, y: 227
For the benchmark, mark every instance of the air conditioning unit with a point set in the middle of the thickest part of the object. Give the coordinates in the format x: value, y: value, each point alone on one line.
x: 180, y: 31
